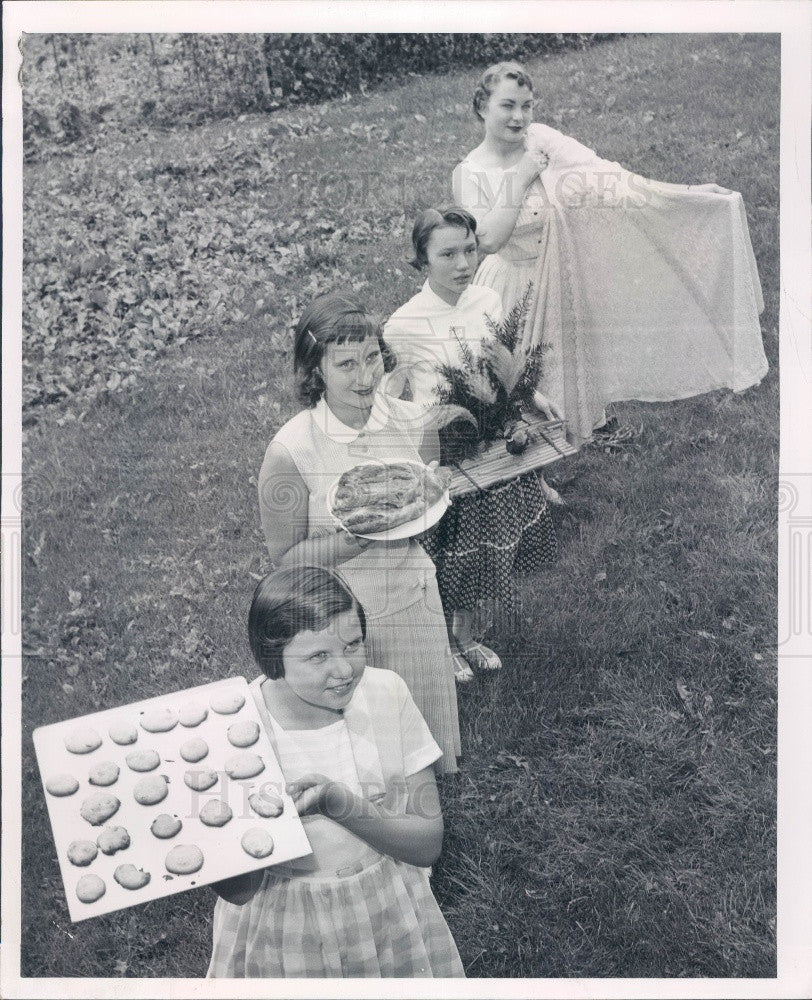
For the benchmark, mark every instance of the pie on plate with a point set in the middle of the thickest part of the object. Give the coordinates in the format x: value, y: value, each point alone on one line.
x: 375, y: 497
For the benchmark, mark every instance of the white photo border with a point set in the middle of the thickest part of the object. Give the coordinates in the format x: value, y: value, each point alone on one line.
x: 793, y: 20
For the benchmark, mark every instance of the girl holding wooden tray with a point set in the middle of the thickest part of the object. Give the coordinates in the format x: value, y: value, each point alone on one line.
x: 339, y: 360
x: 485, y: 536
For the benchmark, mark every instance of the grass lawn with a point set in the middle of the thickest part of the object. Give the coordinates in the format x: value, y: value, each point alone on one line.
x: 615, y: 812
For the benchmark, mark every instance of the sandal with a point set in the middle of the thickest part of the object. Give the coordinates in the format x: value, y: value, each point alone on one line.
x: 616, y: 438
x: 481, y: 657
x: 607, y: 428
x: 463, y: 673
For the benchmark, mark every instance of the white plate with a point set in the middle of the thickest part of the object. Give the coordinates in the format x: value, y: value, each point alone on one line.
x: 408, y: 529
x: 222, y: 853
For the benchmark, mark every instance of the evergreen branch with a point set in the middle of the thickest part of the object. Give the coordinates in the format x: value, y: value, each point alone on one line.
x: 496, y: 384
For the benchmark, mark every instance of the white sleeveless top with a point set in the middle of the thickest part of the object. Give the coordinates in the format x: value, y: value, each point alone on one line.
x: 387, y: 577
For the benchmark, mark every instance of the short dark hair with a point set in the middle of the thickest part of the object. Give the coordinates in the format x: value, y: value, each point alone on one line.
x: 437, y: 218
x: 334, y: 318
x: 293, y: 600
x: 491, y: 79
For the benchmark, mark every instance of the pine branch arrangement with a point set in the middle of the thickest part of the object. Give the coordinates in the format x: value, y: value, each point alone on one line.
x: 495, y: 385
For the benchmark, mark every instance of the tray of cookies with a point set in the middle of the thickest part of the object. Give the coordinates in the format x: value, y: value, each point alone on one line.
x: 388, y: 501
x: 164, y: 795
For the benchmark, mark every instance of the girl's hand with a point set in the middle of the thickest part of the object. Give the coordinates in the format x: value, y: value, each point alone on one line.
x: 527, y: 170
x: 309, y: 793
x: 546, y: 406
x: 442, y: 472
x: 711, y: 188
x: 350, y: 546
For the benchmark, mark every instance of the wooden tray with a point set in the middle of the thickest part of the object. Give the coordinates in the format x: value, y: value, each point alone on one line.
x: 496, y: 465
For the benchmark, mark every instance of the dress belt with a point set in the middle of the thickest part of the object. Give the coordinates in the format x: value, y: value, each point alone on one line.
x: 366, y: 859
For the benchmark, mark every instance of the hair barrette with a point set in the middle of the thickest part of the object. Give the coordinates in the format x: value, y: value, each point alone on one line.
x: 310, y: 334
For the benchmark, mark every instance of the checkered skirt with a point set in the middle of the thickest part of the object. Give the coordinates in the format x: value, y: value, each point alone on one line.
x: 381, y: 922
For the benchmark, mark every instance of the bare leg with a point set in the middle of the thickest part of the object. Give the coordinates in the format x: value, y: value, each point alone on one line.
x: 463, y: 673
x: 550, y: 494
x: 475, y: 653
x: 552, y: 412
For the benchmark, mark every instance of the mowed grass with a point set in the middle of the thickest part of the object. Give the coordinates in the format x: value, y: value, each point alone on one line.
x: 615, y: 811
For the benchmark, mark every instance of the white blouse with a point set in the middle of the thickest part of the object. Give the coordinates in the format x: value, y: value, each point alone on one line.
x: 426, y: 333
x: 381, y: 740
x: 317, y: 751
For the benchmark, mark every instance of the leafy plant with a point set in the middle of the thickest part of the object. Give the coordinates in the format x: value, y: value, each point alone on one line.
x: 495, y: 385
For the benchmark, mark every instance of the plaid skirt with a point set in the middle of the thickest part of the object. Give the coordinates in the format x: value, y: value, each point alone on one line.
x: 485, y: 537
x: 380, y: 922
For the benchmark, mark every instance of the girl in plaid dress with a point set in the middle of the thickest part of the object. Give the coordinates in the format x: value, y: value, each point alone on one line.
x: 357, y: 757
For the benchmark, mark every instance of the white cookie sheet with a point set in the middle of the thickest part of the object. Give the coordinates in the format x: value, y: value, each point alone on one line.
x: 223, y: 855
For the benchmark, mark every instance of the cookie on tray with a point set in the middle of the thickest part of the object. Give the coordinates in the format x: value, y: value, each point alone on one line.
x: 159, y: 720
x: 82, y: 852
x: 184, y: 859
x: 192, y: 714
x: 151, y: 790
x: 200, y: 779
x: 84, y: 740
x: 244, y: 765
x: 142, y: 760
x: 131, y: 877
x: 123, y: 733
x: 90, y: 888
x: 266, y: 804
x: 113, y: 839
x: 194, y: 750
x: 165, y: 826
x: 243, y: 734
x: 62, y: 784
x: 215, y: 813
x: 99, y: 807
x: 104, y: 773
x: 227, y: 702
x: 257, y: 842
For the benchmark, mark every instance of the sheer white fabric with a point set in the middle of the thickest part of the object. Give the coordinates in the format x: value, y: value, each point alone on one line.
x: 642, y: 290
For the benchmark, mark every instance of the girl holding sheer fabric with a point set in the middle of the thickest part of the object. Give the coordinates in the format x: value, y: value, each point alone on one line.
x: 642, y: 290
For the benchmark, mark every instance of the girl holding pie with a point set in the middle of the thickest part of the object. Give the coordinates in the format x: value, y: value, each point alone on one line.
x: 642, y: 290
x: 484, y: 536
x: 339, y: 361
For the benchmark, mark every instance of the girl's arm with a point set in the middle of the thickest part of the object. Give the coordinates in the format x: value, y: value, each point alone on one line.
x: 283, y: 503
x: 495, y: 223
x: 547, y: 406
x: 710, y: 188
x: 415, y: 837
x: 240, y: 889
